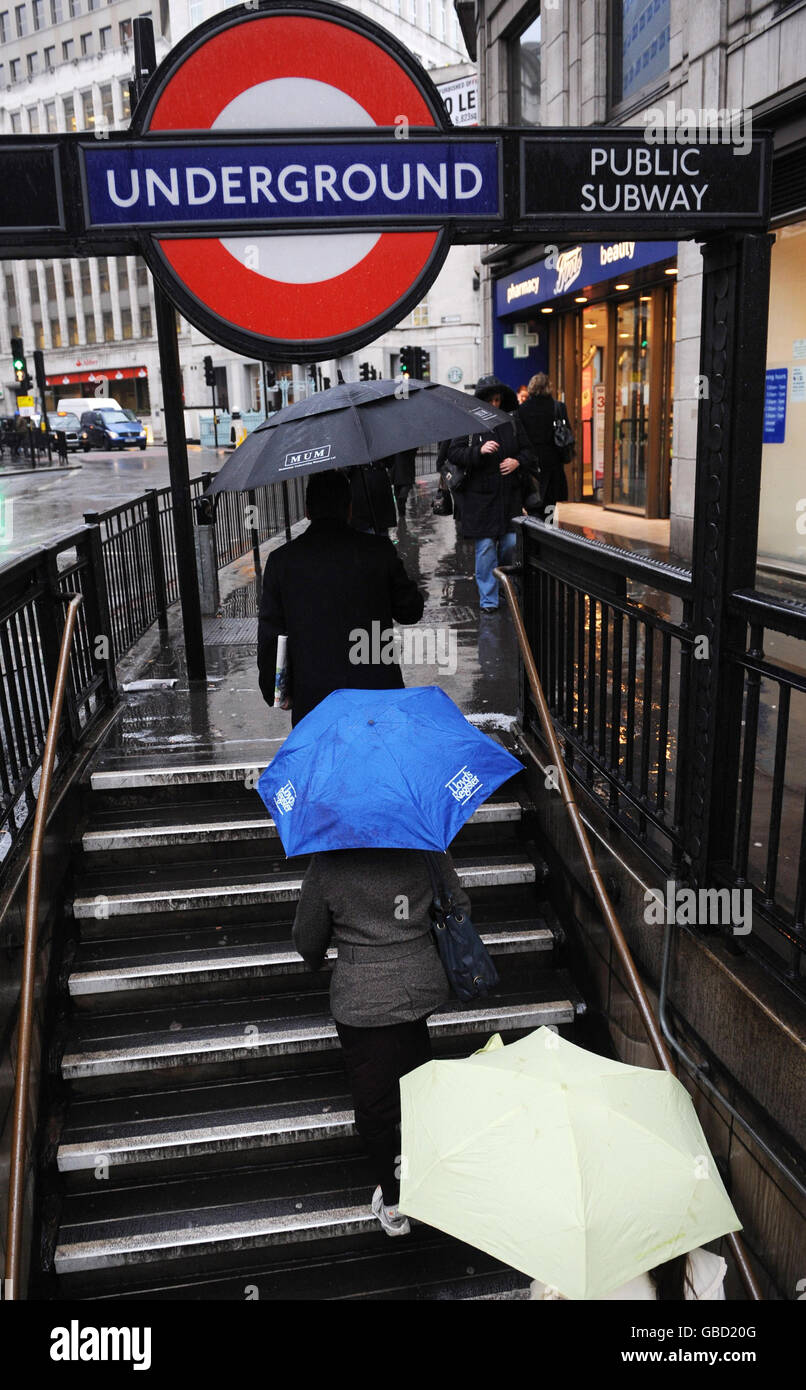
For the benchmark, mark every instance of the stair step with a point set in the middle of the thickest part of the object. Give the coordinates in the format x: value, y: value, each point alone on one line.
x: 136, y: 836
x: 258, y: 891
x: 152, y: 970
x: 272, y: 1038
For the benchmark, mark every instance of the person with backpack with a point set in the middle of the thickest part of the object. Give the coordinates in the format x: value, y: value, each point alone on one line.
x: 541, y: 420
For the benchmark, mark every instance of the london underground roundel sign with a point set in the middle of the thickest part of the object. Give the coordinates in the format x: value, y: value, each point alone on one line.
x: 286, y: 71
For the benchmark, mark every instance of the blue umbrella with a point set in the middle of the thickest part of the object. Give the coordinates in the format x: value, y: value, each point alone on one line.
x: 385, y: 769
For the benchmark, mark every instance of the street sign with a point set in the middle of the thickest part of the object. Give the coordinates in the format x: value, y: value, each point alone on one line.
x: 25, y: 402
x: 316, y: 68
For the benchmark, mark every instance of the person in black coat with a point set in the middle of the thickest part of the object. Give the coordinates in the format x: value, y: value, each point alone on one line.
x: 335, y: 593
x: 536, y: 417
x: 495, y: 463
x: 401, y: 469
x: 376, y: 513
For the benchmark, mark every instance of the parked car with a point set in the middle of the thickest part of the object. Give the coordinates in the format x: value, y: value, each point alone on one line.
x: 68, y: 424
x: 110, y: 429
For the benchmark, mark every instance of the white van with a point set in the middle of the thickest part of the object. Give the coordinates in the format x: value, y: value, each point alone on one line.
x: 76, y: 405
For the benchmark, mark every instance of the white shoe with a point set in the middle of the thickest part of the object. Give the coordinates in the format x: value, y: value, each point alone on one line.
x: 393, y: 1223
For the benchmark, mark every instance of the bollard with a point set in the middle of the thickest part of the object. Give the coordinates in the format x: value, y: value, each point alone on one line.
x: 206, y: 556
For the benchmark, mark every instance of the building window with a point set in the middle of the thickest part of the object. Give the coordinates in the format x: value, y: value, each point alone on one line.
x: 103, y: 275
x: 142, y: 273
x: 441, y: 18
x: 75, y: 8
x: 93, y: 5
x: 107, y: 109
x: 16, y: 122
x: 21, y: 19
x: 55, y: 11
x: 639, y: 46
x: 412, y: 11
x: 55, y: 333
x: 524, y: 74
x: 11, y: 292
x: 90, y: 331
x: 88, y: 110
x: 50, y: 117
x: 196, y: 12
x: 33, y: 285
x: 86, y: 278
x: 50, y: 281
x: 32, y: 63
x: 126, y: 323
x: 125, y: 31
x: 38, y: 13
x: 50, y: 58
x: 4, y: 26
x: 145, y: 321
x: 72, y: 331
x: 419, y: 314
x: 105, y: 38
x: 86, y: 45
x: 68, y: 50
x: 67, y: 280
x: 109, y: 326
x: 123, y: 274
x: 14, y: 74
x: 125, y: 101
x: 33, y: 120
x: 69, y: 110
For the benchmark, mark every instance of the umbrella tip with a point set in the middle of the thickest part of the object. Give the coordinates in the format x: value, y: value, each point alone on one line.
x: 339, y: 376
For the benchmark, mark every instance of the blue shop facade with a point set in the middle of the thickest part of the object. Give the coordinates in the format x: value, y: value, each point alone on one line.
x: 599, y: 319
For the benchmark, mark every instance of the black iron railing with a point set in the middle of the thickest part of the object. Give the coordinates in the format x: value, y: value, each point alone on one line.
x: 614, y: 644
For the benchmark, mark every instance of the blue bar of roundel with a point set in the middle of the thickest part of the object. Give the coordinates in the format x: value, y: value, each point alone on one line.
x: 241, y: 196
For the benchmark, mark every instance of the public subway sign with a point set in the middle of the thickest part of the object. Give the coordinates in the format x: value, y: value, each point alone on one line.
x: 621, y: 175
x: 293, y: 180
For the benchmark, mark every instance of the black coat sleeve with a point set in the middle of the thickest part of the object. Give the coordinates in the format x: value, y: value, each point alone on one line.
x: 464, y: 455
x: 271, y: 623
x: 313, y: 921
x: 407, y: 601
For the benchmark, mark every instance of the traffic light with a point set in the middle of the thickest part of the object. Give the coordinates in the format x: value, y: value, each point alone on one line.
x: 366, y: 372
x: 425, y: 365
x: 271, y: 376
x: 406, y: 361
x: 21, y: 373
x: 209, y: 374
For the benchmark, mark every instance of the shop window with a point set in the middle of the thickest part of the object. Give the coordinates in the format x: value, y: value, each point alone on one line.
x: 639, y: 46
x: 524, y: 74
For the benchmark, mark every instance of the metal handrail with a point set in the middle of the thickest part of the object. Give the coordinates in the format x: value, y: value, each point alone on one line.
x: 634, y: 982
x: 16, y: 1183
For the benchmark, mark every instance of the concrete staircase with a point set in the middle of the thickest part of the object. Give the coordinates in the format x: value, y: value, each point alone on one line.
x: 200, y: 1140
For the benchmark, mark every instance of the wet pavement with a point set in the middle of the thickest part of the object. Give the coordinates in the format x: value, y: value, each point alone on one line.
x: 38, y: 508
x: 472, y: 656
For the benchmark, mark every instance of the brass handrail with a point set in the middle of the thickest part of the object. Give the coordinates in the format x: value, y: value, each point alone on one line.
x: 634, y: 982
x: 16, y: 1183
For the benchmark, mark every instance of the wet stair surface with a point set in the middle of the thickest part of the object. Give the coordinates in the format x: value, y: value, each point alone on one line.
x: 200, y: 1140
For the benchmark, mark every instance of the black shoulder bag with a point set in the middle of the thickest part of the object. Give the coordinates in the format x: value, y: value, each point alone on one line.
x: 563, y: 434
x: 465, y: 959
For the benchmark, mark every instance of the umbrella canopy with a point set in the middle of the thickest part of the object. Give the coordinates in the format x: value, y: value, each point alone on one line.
x: 383, y: 769
x: 580, y: 1171
x: 356, y: 422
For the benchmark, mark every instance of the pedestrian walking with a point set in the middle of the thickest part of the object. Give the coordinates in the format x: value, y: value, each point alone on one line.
x: 323, y: 588
x: 494, y: 463
x: 537, y: 417
x: 401, y: 469
x: 697, y: 1277
x: 387, y: 980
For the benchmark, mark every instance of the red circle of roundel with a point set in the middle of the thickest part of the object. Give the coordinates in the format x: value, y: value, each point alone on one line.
x: 214, y: 74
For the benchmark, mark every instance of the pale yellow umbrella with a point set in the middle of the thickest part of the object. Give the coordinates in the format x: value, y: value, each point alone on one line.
x: 580, y: 1171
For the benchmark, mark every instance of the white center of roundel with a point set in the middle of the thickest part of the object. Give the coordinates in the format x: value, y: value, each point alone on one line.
x: 301, y: 259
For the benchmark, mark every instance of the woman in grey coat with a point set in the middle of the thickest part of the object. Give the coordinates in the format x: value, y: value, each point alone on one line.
x: 373, y: 904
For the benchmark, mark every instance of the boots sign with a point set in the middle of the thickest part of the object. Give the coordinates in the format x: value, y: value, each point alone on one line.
x: 294, y: 181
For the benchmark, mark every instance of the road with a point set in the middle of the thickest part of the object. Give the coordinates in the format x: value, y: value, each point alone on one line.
x: 35, y: 510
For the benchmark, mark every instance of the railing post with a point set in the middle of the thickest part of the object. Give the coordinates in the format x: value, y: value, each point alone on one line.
x: 157, y: 559
x: 733, y: 344
x: 99, y: 616
x: 52, y: 641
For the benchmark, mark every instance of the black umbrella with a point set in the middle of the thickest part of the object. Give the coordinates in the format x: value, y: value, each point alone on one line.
x: 356, y: 422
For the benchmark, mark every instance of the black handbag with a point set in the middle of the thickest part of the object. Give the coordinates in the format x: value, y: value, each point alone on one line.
x: 563, y: 434
x: 454, y: 476
x: 442, y: 504
x: 465, y: 959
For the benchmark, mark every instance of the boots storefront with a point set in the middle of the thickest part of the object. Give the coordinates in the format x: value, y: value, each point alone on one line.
x: 600, y: 319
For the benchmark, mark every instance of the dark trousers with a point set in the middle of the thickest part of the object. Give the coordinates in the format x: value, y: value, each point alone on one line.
x: 375, y: 1059
x: 402, y: 491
